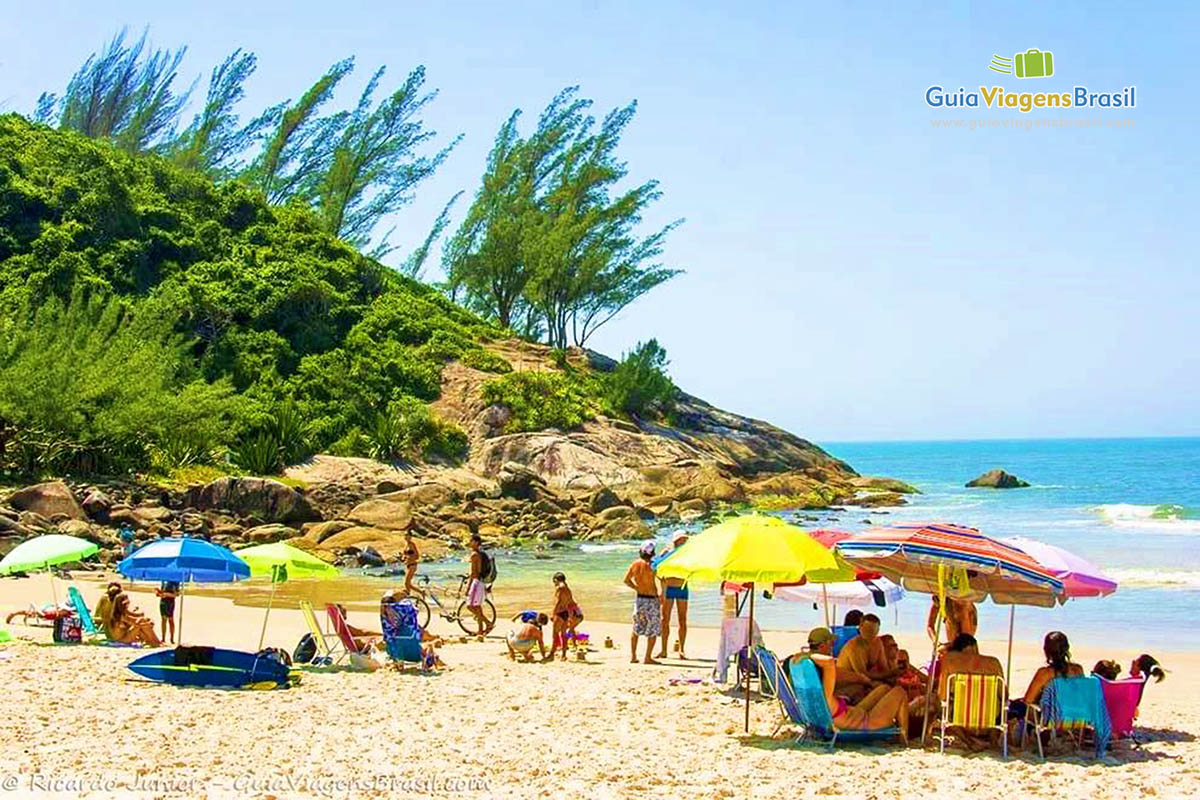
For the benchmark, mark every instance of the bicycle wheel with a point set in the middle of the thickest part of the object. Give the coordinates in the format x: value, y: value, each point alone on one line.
x: 422, y: 611
x: 470, y: 625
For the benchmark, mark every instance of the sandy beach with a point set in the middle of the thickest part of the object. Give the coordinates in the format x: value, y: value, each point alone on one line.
x: 77, y: 724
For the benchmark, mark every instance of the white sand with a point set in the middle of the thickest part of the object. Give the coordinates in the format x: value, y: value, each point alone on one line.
x: 487, y: 727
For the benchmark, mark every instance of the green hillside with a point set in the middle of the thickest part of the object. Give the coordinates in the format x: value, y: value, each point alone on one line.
x: 148, y: 313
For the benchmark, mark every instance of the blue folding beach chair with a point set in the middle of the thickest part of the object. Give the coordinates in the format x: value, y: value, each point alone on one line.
x: 768, y: 671
x: 1072, y: 706
x: 841, y: 635
x: 803, y: 700
x: 402, y: 633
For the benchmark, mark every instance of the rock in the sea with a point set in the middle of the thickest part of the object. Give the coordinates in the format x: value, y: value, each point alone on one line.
x: 883, y: 484
x: 997, y: 479
x: 266, y: 499
x: 47, y: 499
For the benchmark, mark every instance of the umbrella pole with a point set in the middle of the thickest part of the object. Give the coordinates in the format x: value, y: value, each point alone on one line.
x: 937, y: 635
x: 53, y: 591
x: 1012, y: 612
x: 181, y: 593
x: 749, y: 654
x: 825, y: 598
x: 266, y: 616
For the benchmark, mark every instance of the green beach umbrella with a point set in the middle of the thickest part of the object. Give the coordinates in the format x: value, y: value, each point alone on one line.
x: 42, y: 552
x: 281, y: 562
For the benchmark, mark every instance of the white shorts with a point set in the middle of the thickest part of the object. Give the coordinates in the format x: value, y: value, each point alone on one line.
x: 476, y: 593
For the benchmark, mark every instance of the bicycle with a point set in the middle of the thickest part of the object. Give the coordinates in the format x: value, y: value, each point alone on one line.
x: 455, y: 609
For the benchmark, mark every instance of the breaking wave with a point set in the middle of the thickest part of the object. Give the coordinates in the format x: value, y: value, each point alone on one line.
x: 1167, y: 517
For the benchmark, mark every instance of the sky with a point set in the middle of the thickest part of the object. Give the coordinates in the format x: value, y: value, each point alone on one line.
x: 852, y: 271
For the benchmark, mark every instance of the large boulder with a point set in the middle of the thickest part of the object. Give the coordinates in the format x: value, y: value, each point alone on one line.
x: 96, y: 505
x: 621, y: 528
x: 997, y: 479
x: 263, y: 498
x: 601, y: 499
x: 266, y: 534
x: 318, y: 532
x: 389, y: 544
x: 382, y: 513
x: 879, y: 484
x: 48, y: 500
x: 431, y: 495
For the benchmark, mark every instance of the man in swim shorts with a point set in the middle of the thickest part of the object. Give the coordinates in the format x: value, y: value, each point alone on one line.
x: 675, y: 594
x: 647, y: 608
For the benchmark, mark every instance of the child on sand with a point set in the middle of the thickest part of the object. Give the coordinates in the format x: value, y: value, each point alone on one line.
x: 523, y: 638
x: 167, y: 593
x: 567, y: 615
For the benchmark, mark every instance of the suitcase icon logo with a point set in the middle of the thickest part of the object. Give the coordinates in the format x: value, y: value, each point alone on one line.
x: 1033, y: 63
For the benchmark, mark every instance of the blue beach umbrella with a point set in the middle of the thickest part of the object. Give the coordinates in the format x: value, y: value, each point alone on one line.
x: 184, y: 560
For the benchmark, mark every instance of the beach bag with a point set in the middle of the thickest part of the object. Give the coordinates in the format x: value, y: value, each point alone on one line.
x: 746, y: 663
x: 306, y: 649
x: 68, y: 630
x: 487, y: 570
x: 275, y: 654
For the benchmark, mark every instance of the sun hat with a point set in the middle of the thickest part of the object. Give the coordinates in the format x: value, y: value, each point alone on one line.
x: 678, y: 535
x: 819, y: 636
x: 647, y: 548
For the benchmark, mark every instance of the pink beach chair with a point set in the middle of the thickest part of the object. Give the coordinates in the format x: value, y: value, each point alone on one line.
x: 1121, y: 698
x: 338, y: 621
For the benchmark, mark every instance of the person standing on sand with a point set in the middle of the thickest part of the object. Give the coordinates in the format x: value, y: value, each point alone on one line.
x: 567, y: 615
x: 412, y: 558
x: 476, y: 589
x: 675, y: 593
x: 960, y: 617
x: 647, y: 609
x: 167, y: 593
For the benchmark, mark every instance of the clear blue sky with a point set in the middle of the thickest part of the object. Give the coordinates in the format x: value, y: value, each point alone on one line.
x: 852, y: 273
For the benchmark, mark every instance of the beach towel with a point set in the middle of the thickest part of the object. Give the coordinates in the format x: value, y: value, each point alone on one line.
x: 1075, y: 703
x: 402, y: 633
x: 186, y: 655
x: 735, y: 635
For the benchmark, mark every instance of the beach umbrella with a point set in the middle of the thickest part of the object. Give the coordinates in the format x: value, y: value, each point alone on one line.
x: 752, y: 549
x: 184, y: 560
x: 1080, y: 577
x: 42, y: 552
x: 849, y: 593
x: 935, y: 558
x: 282, y: 562
x: 877, y: 592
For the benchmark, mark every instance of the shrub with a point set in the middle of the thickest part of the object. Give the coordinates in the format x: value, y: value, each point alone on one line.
x: 486, y: 361
x: 258, y: 454
x: 639, y: 384
x: 409, y: 429
x: 540, y: 400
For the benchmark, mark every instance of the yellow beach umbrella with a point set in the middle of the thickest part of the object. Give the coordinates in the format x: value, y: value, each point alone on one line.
x: 281, y: 562
x: 756, y: 548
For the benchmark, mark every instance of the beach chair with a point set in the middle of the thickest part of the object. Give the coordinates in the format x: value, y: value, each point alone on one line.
x: 1121, y: 700
x: 338, y: 622
x: 85, y: 616
x: 402, y: 633
x: 841, y: 635
x: 803, y: 700
x: 1071, y: 706
x: 768, y: 671
x: 327, y: 654
x: 975, y: 703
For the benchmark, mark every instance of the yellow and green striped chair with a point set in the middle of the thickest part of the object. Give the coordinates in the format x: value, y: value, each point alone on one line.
x: 975, y: 703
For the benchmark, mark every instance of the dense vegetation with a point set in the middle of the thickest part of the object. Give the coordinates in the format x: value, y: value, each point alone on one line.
x: 176, y: 295
x: 136, y: 296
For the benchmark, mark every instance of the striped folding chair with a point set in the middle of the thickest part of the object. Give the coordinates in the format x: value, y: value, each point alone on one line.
x: 975, y: 703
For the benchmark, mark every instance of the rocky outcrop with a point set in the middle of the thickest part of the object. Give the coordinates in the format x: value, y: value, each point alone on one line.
x: 997, y: 479
x: 265, y: 499
x: 50, y: 500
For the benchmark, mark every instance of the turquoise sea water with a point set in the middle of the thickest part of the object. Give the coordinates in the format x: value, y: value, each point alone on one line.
x: 1132, y: 506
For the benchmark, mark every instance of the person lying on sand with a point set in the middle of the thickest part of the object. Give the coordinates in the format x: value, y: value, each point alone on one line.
x: 523, y: 639
x: 883, y: 706
x: 130, y: 626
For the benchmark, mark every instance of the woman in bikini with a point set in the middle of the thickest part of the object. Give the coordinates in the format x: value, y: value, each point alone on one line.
x: 412, y: 558
x: 883, y: 707
x: 129, y: 625
x: 567, y: 614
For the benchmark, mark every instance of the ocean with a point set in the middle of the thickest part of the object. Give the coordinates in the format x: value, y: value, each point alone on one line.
x: 1131, y: 506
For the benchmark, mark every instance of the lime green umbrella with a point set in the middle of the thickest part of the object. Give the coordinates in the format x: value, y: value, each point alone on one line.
x: 42, y: 552
x: 281, y: 562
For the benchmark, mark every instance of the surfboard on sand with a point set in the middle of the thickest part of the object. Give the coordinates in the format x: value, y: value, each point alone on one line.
x: 210, y: 666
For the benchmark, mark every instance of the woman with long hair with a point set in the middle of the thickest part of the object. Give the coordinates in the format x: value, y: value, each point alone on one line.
x: 1057, y: 650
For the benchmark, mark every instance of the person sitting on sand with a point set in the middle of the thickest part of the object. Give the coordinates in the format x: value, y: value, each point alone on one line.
x: 429, y: 642
x: 567, y: 614
x: 1057, y: 650
x: 647, y: 610
x: 128, y: 625
x: 883, y: 706
x: 1109, y: 670
x: 674, y: 595
x: 103, y: 611
x: 963, y: 656
x: 363, y: 639
x: 912, y: 680
x: 863, y: 662
x: 523, y: 639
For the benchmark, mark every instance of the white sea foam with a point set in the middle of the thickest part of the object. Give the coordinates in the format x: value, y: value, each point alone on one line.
x: 1163, y: 518
x: 1160, y: 578
x: 607, y: 548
